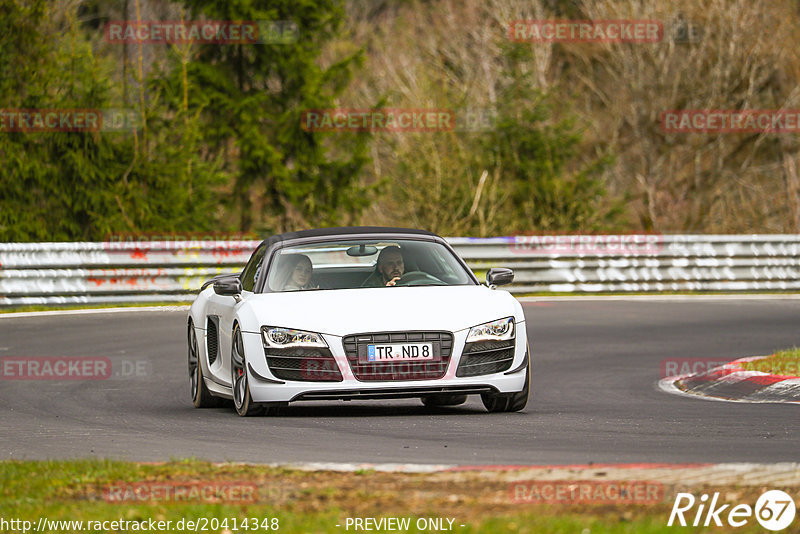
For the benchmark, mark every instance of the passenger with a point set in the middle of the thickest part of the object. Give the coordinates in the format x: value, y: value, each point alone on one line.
x: 296, y: 271
x: 389, y: 268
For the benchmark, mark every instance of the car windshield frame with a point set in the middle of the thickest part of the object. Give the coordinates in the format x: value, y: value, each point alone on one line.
x: 448, y: 256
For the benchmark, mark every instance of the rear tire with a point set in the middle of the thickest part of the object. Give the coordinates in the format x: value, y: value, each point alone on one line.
x: 201, y: 396
x: 443, y: 399
x: 509, y: 402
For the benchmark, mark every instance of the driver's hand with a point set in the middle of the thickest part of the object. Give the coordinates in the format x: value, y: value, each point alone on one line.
x: 393, y: 281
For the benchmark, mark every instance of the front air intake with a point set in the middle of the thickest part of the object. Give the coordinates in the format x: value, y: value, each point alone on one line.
x: 486, y: 358
x: 303, y: 364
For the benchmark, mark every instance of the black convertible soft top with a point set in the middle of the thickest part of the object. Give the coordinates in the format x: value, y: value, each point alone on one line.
x: 345, y: 230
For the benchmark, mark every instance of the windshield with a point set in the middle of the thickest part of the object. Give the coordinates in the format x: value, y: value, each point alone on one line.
x: 364, y: 263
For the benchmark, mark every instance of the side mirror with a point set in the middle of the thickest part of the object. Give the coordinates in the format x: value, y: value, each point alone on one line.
x: 218, y: 277
x: 499, y: 276
x: 228, y: 286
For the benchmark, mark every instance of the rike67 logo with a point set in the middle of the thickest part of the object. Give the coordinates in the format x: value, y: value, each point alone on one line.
x: 774, y: 510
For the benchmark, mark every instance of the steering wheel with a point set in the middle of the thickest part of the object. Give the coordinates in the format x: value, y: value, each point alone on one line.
x: 415, y: 278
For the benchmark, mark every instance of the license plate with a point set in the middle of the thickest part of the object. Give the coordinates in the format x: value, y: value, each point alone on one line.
x: 401, y: 352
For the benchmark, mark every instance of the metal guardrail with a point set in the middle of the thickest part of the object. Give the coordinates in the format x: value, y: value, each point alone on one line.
x: 115, y: 271
x: 165, y: 271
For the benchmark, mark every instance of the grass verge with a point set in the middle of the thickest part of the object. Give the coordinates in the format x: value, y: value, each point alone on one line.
x: 303, y: 501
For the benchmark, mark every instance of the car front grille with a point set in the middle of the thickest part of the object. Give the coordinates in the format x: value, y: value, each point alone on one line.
x: 486, y: 357
x: 303, y: 364
x: 400, y: 370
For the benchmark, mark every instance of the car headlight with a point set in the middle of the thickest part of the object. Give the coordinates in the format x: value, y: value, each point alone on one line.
x: 284, y: 338
x: 498, y: 330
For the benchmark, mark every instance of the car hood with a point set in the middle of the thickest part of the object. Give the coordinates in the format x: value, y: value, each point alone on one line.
x: 341, y: 312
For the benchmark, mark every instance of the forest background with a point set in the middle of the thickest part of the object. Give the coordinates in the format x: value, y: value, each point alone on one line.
x: 552, y: 137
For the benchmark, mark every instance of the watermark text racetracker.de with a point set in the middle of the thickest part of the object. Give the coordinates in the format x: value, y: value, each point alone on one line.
x: 69, y: 120
x: 242, y: 491
x: 717, y: 121
x: 173, y: 491
x: 136, y: 237
x: 587, y: 491
x: 200, y: 524
x: 179, y: 241
x: 465, y: 119
x: 378, y: 120
x: 599, y: 31
x: 217, y: 32
x: 569, y: 245
x: 671, y: 367
x: 19, y: 368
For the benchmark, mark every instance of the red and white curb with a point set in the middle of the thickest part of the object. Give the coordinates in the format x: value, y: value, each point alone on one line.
x: 732, y: 383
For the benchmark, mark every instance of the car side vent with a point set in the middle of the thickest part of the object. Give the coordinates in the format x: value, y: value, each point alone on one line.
x: 212, y: 339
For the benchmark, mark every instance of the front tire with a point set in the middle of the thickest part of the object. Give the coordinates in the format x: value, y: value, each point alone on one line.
x: 201, y: 396
x: 509, y: 402
x: 242, y: 400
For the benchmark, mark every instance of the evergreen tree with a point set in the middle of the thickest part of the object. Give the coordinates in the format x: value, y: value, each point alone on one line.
x: 537, y: 155
x: 252, y: 97
x: 85, y: 185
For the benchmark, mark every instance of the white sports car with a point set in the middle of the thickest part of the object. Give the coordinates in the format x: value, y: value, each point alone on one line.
x: 357, y: 313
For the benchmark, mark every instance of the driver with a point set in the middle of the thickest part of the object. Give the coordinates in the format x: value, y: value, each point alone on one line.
x: 389, y: 268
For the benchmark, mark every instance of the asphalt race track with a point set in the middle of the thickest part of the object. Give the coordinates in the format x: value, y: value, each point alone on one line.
x: 596, y: 364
